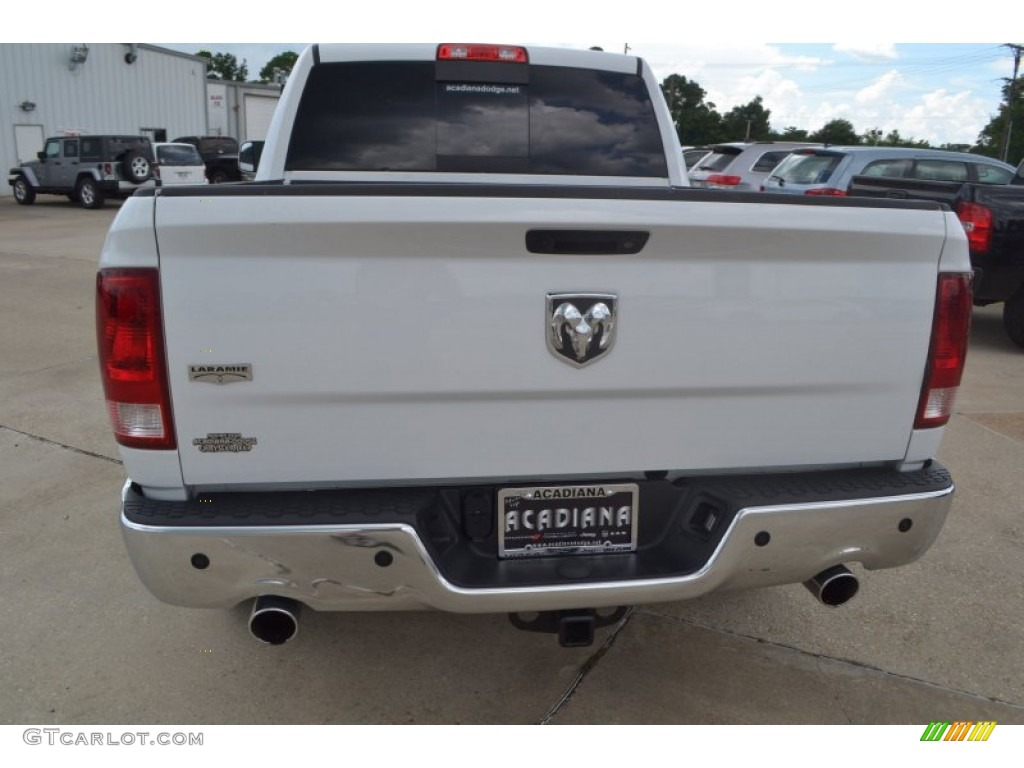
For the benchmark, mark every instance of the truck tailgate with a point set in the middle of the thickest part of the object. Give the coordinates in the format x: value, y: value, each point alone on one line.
x: 404, y: 337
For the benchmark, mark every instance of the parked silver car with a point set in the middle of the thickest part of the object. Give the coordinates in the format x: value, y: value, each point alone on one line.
x: 741, y: 166
x: 829, y: 170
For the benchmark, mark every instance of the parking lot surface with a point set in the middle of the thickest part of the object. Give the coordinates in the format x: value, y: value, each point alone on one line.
x: 85, y: 643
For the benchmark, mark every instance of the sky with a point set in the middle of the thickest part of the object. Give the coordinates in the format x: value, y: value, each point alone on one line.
x: 944, y: 93
x: 877, y: 63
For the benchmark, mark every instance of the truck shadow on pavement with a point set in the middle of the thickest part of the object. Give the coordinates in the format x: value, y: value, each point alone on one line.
x: 987, y: 331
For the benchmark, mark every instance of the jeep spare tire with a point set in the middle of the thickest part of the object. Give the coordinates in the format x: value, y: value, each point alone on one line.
x: 135, y: 167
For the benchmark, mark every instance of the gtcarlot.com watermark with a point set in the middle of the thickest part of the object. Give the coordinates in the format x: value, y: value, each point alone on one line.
x: 62, y: 737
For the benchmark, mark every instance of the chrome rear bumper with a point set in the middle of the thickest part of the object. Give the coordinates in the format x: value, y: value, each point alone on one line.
x: 388, y: 566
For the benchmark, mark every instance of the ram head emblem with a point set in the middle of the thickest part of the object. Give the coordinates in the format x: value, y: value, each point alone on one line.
x: 581, y: 326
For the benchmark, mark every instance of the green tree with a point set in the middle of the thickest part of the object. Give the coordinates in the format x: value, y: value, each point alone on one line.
x: 748, y: 122
x: 875, y: 137
x: 224, y: 66
x: 872, y: 137
x: 282, y: 63
x: 792, y: 133
x: 837, y: 131
x: 696, y: 120
x: 990, y: 140
x: 894, y: 139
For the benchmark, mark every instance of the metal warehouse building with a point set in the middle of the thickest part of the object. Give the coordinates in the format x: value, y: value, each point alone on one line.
x: 52, y: 89
x: 242, y: 110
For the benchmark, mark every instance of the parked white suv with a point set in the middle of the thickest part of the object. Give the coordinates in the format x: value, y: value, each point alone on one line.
x: 739, y: 166
x: 179, y: 164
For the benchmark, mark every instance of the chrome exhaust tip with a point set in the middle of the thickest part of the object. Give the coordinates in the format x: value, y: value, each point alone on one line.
x: 274, y: 620
x: 834, y: 586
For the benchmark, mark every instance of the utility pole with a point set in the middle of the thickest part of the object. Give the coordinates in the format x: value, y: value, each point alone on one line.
x: 625, y: 48
x: 1011, y: 98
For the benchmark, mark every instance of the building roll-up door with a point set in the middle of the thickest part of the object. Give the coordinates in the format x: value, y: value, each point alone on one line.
x: 28, y: 139
x: 258, y: 112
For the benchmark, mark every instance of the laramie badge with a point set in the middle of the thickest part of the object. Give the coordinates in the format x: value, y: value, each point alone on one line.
x: 220, y: 374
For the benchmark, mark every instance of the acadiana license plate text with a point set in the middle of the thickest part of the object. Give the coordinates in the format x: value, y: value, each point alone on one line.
x: 567, y: 520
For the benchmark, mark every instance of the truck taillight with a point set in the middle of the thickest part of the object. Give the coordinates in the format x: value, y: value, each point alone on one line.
x: 129, y: 334
x: 473, y: 52
x: 948, y: 350
x: 826, y: 192
x: 977, y: 221
x: 721, y: 180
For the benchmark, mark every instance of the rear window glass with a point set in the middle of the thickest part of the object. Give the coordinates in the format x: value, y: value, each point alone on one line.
x: 940, y: 170
x: 990, y: 174
x: 250, y: 152
x: 218, y: 145
x: 719, y: 159
x: 691, y: 156
x: 118, y: 145
x: 892, y: 168
x: 397, y: 116
x: 179, y: 155
x: 92, y: 149
x: 807, y: 169
x: 769, y: 160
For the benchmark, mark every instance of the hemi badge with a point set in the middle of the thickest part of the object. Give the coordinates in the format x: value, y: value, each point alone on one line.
x: 224, y: 442
x: 220, y: 374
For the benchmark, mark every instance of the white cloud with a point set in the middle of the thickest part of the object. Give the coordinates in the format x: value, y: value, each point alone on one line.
x: 879, y: 89
x: 940, y: 116
x: 768, y: 84
x: 826, y: 112
x: 726, y: 61
x: 947, y: 99
x: 867, y: 51
x: 733, y: 74
x: 953, y: 111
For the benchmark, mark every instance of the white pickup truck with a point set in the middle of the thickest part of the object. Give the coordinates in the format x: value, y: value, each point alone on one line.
x: 469, y: 342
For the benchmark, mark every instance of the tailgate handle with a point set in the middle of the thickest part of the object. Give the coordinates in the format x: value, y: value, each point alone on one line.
x: 586, y: 241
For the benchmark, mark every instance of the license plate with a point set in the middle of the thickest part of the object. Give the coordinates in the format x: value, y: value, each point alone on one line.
x: 567, y: 520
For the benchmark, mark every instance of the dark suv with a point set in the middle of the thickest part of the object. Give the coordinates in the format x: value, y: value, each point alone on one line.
x: 88, y: 169
x: 220, y: 156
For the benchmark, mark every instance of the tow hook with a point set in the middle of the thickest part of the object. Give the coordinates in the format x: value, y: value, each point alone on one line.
x: 575, y: 628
